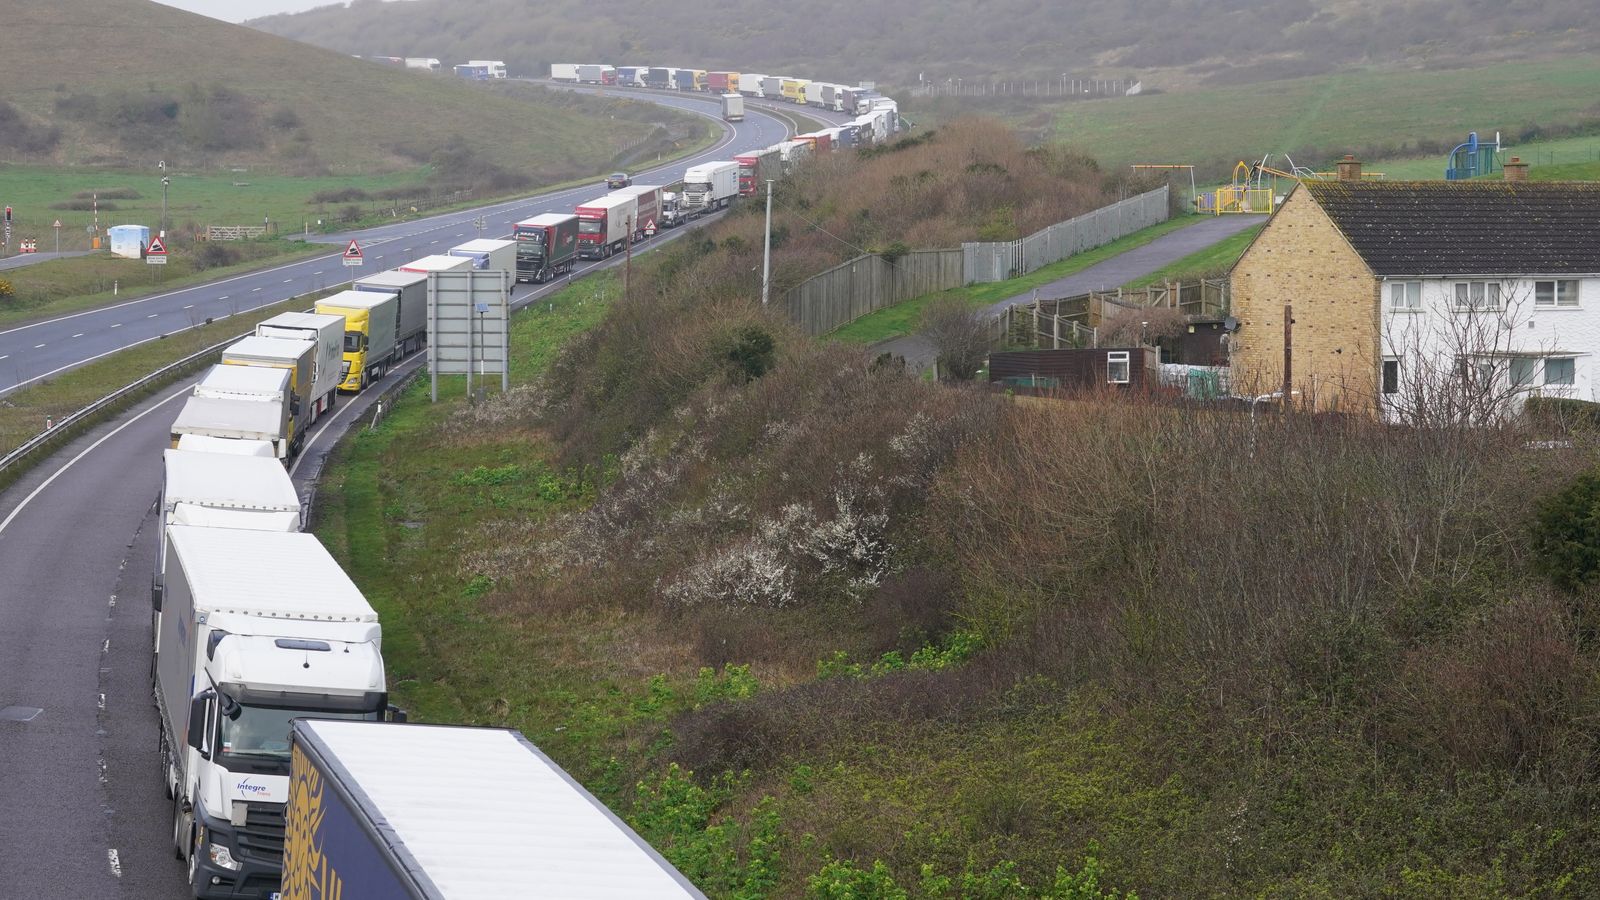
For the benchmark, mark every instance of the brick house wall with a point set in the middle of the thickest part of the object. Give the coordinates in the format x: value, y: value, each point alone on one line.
x: 1301, y: 258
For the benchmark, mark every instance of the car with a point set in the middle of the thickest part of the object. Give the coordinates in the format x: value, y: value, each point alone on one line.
x: 618, y: 180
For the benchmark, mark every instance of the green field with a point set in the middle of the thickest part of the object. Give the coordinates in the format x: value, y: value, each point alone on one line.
x: 1560, y: 154
x: 1318, y: 118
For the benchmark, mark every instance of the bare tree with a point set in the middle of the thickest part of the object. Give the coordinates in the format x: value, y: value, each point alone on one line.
x: 960, y: 334
x: 1135, y: 326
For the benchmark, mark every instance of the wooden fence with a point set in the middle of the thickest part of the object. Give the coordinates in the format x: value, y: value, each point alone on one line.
x: 1057, y: 322
x: 234, y: 232
x: 866, y: 284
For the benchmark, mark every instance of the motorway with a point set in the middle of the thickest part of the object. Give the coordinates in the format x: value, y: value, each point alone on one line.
x: 82, y: 810
x: 29, y: 353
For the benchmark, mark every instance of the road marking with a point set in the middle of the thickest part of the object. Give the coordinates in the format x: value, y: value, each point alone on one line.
x: 223, y: 297
x: 288, y: 281
x: 316, y: 273
x: 118, y: 325
x: 253, y: 290
x: 116, y: 862
x: 190, y: 306
x: 79, y: 334
x: 4, y: 523
x: 37, y: 346
x: 152, y: 315
x: 431, y: 243
x: 7, y: 356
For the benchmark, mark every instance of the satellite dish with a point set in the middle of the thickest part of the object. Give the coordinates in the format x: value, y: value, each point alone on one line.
x: 1230, y: 324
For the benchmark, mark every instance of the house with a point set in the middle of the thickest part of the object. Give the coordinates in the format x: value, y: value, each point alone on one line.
x: 1411, y: 299
x: 1076, y: 370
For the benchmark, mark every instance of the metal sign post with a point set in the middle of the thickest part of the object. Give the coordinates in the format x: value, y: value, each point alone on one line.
x: 469, y: 326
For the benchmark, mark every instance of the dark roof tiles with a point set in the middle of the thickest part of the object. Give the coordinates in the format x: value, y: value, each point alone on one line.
x: 1467, y: 227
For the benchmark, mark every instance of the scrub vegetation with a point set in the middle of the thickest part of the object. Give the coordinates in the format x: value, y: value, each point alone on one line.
x: 820, y: 629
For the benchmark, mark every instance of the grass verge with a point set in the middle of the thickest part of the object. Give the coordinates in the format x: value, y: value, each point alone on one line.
x: 1212, y: 262
x: 902, y: 318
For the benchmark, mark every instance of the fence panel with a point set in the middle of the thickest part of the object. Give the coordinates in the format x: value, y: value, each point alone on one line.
x: 1000, y: 261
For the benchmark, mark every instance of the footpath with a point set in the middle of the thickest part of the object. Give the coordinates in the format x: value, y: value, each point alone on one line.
x: 1120, y: 269
x: 28, y: 259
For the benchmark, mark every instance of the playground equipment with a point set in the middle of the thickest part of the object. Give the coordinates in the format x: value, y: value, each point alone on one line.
x: 1472, y: 159
x: 1254, y: 188
x: 1194, y: 196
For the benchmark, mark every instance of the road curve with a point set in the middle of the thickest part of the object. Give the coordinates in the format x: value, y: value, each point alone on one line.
x: 38, y: 350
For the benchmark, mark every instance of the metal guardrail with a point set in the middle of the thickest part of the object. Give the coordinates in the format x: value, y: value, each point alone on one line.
x: 48, y: 436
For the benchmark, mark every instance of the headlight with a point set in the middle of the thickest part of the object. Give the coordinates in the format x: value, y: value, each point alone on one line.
x: 221, y: 857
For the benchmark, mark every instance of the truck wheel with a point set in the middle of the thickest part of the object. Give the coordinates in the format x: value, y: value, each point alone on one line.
x: 181, y: 838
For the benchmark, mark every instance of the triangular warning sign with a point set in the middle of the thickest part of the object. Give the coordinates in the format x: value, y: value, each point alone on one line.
x: 353, y: 251
x: 156, y: 248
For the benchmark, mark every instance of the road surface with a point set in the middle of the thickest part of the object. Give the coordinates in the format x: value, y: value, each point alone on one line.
x: 28, y: 259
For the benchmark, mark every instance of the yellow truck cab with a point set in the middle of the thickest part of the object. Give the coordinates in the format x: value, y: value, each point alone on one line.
x: 370, y: 319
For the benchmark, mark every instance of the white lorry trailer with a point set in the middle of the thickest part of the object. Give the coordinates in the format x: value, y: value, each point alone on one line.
x: 710, y: 186
x: 258, y: 628
x: 411, y: 327
x: 299, y: 357
x: 733, y: 107
x: 493, y: 254
x: 750, y: 84
x: 432, y: 812
x: 266, y: 421
x: 327, y: 331
x: 564, y: 72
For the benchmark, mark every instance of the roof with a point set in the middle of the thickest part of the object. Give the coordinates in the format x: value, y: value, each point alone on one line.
x: 286, y: 575
x: 393, y: 278
x: 222, y: 417
x: 1467, y: 227
x: 270, y: 348
x: 244, y: 380
x: 225, y: 480
x: 483, y: 813
x: 439, y: 262
x: 483, y: 245
x: 356, y: 299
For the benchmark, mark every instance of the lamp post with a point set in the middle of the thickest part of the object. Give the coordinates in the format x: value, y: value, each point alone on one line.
x: 766, y: 250
x: 165, y: 183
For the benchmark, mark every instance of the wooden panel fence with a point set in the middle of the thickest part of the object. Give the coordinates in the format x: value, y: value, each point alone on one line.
x: 866, y: 284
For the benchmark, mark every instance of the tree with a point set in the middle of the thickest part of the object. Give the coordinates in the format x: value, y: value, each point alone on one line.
x: 960, y: 334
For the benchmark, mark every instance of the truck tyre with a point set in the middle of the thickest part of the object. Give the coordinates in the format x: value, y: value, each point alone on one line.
x: 181, y: 839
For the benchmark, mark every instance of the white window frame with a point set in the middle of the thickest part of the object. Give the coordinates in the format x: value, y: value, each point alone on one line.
x: 1483, y: 304
x: 1115, y: 358
x: 1405, y: 296
x: 1556, y: 300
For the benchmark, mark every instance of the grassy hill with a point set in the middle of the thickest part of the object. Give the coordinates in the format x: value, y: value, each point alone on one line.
x: 896, y: 40
x: 126, y: 83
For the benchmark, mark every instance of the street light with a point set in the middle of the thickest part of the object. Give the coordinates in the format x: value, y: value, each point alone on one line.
x: 165, y: 183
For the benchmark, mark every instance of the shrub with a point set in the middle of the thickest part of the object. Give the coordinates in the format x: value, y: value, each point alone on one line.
x: 215, y: 255
x: 1566, y: 533
x: 750, y: 353
x: 6, y: 290
x: 960, y: 334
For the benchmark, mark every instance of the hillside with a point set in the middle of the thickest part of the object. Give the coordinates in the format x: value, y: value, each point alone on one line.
x: 127, y: 83
x: 895, y: 41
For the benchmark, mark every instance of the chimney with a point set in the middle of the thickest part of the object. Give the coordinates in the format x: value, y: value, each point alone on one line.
x: 1349, y: 168
x: 1516, y: 169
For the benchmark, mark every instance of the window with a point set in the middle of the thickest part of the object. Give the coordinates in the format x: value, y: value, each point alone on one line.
x: 1391, y: 376
x: 1522, y: 369
x: 1563, y: 292
x: 1405, y: 295
x: 1477, y: 295
x: 1117, y: 367
x: 1560, y: 371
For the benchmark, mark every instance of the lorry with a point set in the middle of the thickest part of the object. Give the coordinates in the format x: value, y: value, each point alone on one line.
x: 794, y: 90
x: 632, y: 76
x: 690, y: 79
x: 220, y: 490
x: 547, y: 246
x: 245, y: 383
x: 603, y: 224
x: 240, y: 420
x: 793, y: 153
x: 817, y: 93
x: 430, y: 812
x: 205, y: 443
x: 426, y: 63
x: 258, y: 628
x: 567, y: 72
x: 710, y: 186
x: 411, y: 328
x: 492, y: 68
x: 597, y: 74
x: 660, y: 77
x: 772, y: 86
x: 327, y: 331
x: 647, y: 214
x: 722, y: 82
x: 671, y: 209
x: 757, y: 166
x: 370, y: 319
x: 493, y: 254
x: 283, y: 353
x: 750, y: 84
x: 733, y: 107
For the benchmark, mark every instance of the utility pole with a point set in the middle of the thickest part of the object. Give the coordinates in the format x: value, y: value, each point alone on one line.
x: 766, y: 250
x: 1288, y: 354
x: 627, y: 262
x: 165, y: 182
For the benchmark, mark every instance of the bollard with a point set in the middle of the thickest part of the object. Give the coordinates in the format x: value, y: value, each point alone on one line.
x: 113, y: 288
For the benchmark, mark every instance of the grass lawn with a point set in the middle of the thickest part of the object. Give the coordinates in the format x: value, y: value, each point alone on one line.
x: 902, y: 318
x: 1212, y: 262
x: 1330, y: 114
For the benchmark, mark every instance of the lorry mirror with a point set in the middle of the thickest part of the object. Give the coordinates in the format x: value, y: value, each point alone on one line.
x: 212, y: 640
x: 197, y: 722
x: 396, y: 714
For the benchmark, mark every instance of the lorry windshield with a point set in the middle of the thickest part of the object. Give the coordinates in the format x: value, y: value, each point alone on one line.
x: 257, y: 740
x: 352, y: 341
x: 531, y: 237
x: 590, y: 226
x: 697, y: 187
x: 534, y: 251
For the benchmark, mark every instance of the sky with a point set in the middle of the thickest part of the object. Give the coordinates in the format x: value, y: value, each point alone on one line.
x: 239, y: 10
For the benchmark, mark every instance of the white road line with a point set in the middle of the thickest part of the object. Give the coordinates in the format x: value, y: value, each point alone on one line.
x: 288, y: 281
x: 190, y: 306
x: 37, y: 346
x: 223, y: 297
x: 253, y: 290
x: 79, y: 334
x: 118, y: 325
x: 116, y: 862
x: 7, y: 356
x: 85, y: 452
x: 152, y: 315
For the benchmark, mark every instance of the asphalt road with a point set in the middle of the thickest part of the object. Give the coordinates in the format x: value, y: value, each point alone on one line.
x: 82, y: 810
x: 1119, y: 269
x: 28, y: 259
x: 31, y: 352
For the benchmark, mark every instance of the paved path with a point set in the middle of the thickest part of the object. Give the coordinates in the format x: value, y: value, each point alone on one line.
x: 1119, y: 269
x: 28, y: 259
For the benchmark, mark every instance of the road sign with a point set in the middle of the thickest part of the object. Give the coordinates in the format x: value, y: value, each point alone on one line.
x: 29, y: 245
x: 156, y: 253
x: 352, y: 254
x: 58, y: 223
x: 650, y: 228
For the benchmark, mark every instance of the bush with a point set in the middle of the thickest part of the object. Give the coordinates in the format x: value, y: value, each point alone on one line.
x: 960, y: 334
x: 1566, y: 533
x: 6, y: 290
x: 215, y: 255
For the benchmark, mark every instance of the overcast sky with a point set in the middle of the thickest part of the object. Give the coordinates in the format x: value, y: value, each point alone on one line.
x: 239, y: 10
